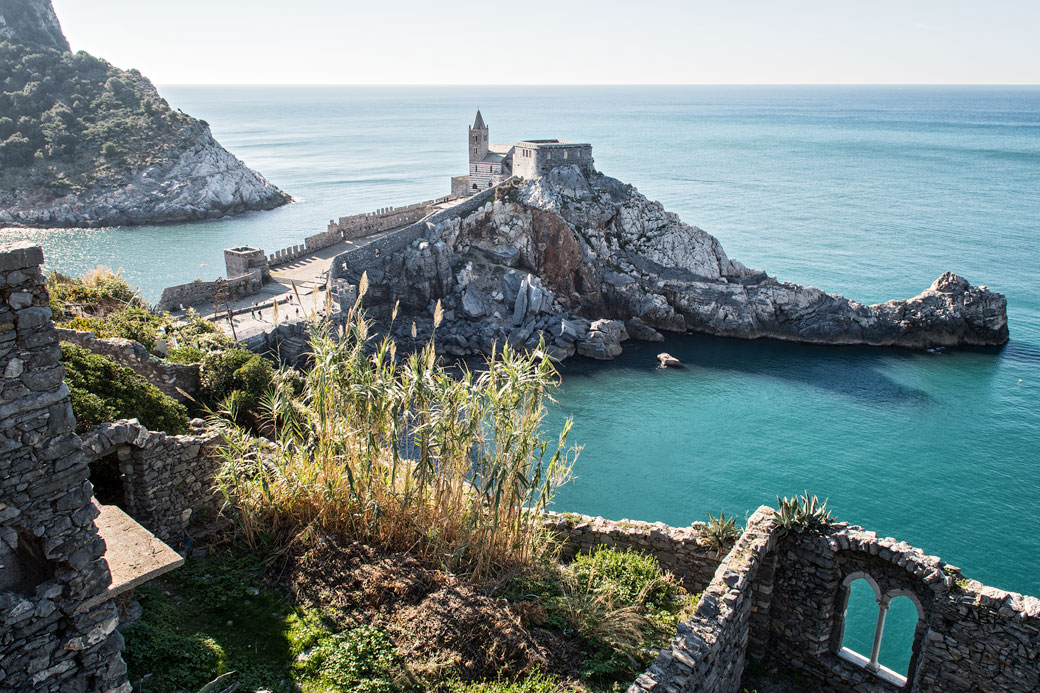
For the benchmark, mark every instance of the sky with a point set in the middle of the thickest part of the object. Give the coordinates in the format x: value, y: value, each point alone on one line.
x: 563, y: 41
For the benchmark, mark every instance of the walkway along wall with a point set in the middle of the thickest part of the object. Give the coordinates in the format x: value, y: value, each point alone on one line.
x: 58, y: 629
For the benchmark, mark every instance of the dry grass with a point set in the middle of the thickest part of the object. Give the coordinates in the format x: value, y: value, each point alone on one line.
x: 400, y: 454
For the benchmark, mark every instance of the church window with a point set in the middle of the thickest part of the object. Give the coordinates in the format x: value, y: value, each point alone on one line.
x: 564, y: 153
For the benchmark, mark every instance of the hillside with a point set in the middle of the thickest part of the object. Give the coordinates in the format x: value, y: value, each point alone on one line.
x: 83, y: 143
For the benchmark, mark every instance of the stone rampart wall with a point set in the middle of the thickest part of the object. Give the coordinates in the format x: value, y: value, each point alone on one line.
x: 683, y: 551
x: 199, y: 292
x: 168, y: 481
x: 168, y: 377
x: 364, y: 256
x: 708, y: 651
x: 58, y: 630
x: 969, y: 637
x: 356, y: 226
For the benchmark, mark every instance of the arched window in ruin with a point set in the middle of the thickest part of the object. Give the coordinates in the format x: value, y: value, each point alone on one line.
x: 106, y: 476
x: 868, y: 616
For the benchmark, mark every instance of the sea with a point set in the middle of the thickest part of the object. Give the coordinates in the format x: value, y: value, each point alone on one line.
x: 867, y: 191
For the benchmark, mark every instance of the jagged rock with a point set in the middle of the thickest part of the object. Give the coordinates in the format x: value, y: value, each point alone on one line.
x: 592, y: 247
x: 603, y: 340
x: 668, y: 361
x: 641, y: 332
x: 473, y: 302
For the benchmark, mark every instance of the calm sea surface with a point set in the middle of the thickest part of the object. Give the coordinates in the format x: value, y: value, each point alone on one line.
x: 871, y: 192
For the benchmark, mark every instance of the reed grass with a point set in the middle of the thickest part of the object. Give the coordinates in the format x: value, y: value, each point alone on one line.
x: 400, y: 452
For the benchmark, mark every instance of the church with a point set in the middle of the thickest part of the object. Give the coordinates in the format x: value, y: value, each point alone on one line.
x: 490, y: 164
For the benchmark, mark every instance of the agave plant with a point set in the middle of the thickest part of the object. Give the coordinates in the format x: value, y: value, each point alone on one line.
x: 803, y: 514
x: 721, y: 532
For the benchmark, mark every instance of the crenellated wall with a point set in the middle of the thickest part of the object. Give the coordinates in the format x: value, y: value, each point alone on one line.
x: 58, y: 625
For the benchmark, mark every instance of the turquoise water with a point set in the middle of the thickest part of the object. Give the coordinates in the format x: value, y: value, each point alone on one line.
x: 868, y: 191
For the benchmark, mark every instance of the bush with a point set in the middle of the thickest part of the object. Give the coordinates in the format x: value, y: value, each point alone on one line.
x: 131, y: 323
x: 238, y: 373
x: 98, y: 293
x: 803, y: 514
x: 362, y: 659
x: 533, y: 683
x: 101, y: 390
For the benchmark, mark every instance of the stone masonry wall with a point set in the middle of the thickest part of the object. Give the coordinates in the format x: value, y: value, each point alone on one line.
x: 683, y: 551
x: 168, y: 481
x: 708, y: 651
x: 55, y: 634
x: 168, y: 377
x: 199, y: 292
x: 399, y: 240
x: 970, y: 638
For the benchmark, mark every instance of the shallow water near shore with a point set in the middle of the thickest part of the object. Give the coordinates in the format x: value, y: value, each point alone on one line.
x: 871, y: 192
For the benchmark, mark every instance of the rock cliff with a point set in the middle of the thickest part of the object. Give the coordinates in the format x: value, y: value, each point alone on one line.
x: 31, y: 22
x: 587, y: 262
x: 83, y: 143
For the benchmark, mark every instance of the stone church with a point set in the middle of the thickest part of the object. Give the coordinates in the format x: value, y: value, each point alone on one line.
x: 490, y: 164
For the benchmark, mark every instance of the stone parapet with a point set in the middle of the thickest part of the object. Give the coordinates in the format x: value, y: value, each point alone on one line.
x: 683, y: 551
x: 171, y: 378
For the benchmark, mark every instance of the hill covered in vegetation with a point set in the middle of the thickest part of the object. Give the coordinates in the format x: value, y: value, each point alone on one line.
x: 83, y: 143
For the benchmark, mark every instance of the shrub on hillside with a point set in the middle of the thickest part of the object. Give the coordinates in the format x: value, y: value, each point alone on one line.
x: 101, y: 390
x: 238, y: 373
x: 97, y: 293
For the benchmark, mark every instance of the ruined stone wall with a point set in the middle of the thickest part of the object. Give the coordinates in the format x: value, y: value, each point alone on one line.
x: 201, y: 293
x: 168, y: 481
x: 970, y: 637
x: 708, y: 651
x: 683, y: 551
x: 58, y: 631
x: 168, y: 377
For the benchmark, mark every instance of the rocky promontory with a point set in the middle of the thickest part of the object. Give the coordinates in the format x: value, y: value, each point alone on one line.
x: 83, y: 143
x: 587, y: 262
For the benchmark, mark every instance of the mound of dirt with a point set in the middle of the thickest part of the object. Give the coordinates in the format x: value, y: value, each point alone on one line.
x: 437, y: 620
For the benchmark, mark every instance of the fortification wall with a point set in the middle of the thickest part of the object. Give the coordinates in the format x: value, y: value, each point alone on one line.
x: 533, y: 160
x: 199, y: 292
x: 168, y: 377
x: 356, y: 226
x: 362, y: 257
x: 58, y: 628
x: 168, y: 481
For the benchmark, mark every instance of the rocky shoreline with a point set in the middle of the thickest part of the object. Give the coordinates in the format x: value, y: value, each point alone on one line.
x: 203, y: 181
x: 581, y: 264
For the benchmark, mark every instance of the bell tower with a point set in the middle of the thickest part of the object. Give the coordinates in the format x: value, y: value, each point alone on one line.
x: 478, y: 139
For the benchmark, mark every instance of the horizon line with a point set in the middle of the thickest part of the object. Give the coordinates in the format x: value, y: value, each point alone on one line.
x: 604, y: 84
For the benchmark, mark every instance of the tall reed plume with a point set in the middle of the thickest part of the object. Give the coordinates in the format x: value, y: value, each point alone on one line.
x: 403, y: 454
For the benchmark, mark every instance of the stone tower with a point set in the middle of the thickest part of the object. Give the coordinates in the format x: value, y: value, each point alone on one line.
x: 478, y: 139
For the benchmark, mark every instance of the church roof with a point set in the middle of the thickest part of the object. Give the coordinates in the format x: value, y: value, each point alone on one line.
x: 478, y: 123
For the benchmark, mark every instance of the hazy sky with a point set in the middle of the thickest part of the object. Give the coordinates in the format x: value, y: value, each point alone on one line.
x: 563, y: 41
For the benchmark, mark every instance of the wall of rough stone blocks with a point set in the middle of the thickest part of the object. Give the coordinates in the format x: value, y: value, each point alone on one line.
x: 201, y: 293
x: 168, y: 481
x: 779, y: 600
x: 708, y: 651
x: 51, y: 637
x: 362, y: 257
x: 168, y: 377
x: 972, y: 637
x: 683, y: 551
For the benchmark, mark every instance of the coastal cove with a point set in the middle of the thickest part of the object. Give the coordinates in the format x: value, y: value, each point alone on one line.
x: 870, y: 192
